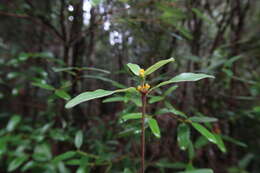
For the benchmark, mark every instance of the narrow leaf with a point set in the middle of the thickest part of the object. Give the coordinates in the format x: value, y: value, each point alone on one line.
x: 184, y: 77
x: 183, y: 136
x: 134, y: 68
x: 157, y: 65
x: 203, y: 119
x: 199, y: 171
x: 78, y: 139
x: 170, y: 90
x: 90, y: 95
x: 155, y: 99
x: 114, y: 99
x: 43, y: 86
x: 154, y: 127
x: 16, y: 163
x: 220, y: 143
x: 132, y: 116
x: 200, y: 142
x: 114, y: 83
x: 86, y: 96
x: 62, y: 94
x: 191, y: 153
x: 172, y: 165
x: 64, y: 156
x: 175, y: 111
x: 205, y: 132
x: 234, y: 141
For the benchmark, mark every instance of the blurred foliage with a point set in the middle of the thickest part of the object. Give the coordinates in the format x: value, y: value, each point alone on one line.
x: 53, y: 50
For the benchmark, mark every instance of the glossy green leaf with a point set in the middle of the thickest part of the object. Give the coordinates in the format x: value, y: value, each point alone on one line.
x: 43, y: 86
x: 134, y: 68
x: 90, y: 95
x: 154, y: 127
x: 78, y: 141
x: 13, y: 122
x: 203, y: 119
x: 62, y: 94
x: 157, y: 65
x: 14, y: 164
x: 205, y: 132
x: 220, y: 143
x: 64, y: 156
x: 184, y: 77
x: 132, y: 116
x: 183, y: 138
x: 199, y: 171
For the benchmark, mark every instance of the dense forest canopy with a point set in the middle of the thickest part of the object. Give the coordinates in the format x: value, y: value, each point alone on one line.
x: 53, y: 50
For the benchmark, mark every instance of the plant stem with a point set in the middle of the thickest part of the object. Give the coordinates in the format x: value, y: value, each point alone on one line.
x: 143, y: 133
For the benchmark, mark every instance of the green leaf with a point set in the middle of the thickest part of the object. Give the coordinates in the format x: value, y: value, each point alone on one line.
x: 16, y: 163
x: 90, y: 95
x: 154, y: 127
x: 62, y: 94
x: 43, y: 86
x: 191, y: 152
x: 183, y: 136
x: 114, y: 99
x: 184, y: 77
x: 172, y: 165
x: 157, y: 65
x: 134, y: 68
x: 78, y: 139
x: 155, y: 99
x: 28, y: 165
x: 201, y: 15
x: 13, y: 122
x: 126, y: 170
x: 199, y: 171
x: 114, y: 83
x: 200, y: 142
x: 234, y: 141
x: 132, y: 116
x: 170, y: 90
x: 42, y: 152
x: 175, y: 111
x: 73, y: 162
x: 203, y: 119
x: 220, y: 143
x: 64, y: 156
x: 205, y: 132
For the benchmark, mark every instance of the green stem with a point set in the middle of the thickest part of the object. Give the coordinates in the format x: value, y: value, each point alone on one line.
x: 143, y: 133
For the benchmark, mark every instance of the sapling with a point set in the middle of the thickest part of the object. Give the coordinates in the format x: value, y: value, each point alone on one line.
x: 144, y: 89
